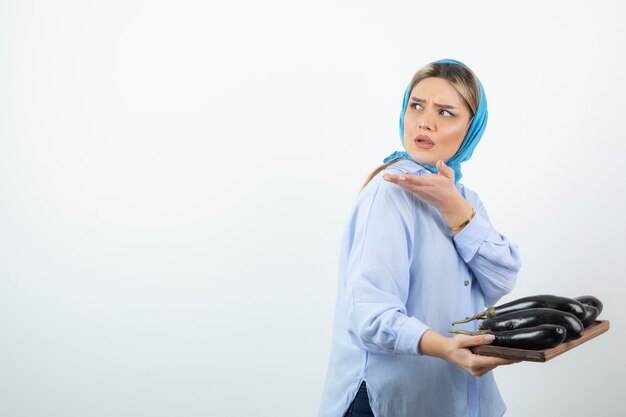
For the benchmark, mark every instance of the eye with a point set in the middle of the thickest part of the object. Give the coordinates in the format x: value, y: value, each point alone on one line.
x: 446, y: 111
x: 415, y: 105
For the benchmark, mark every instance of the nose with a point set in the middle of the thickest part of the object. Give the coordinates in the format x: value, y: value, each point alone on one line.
x: 424, y: 124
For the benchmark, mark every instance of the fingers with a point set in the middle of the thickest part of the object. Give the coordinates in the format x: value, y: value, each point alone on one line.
x: 445, y: 170
x: 481, y: 361
x: 469, y: 341
x: 395, y: 178
x: 412, y: 182
x: 475, y: 364
x: 484, y: 364
x: 431, y: 189
x: 415, y: 183
x: 479, y: 365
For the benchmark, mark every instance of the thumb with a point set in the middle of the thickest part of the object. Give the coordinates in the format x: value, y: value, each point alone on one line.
x: 468, y: 341
x: 445, y: 170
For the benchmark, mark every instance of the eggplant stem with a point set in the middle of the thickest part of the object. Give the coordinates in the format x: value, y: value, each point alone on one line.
x: 478, y: 316
x: 487, y: 314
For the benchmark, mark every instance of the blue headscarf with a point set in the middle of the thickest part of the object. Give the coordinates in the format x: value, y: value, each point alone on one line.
x: 472, y: 137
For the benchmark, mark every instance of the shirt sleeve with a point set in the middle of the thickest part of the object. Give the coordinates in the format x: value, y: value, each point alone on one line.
x: 378, y: 273
x: 493, y: 259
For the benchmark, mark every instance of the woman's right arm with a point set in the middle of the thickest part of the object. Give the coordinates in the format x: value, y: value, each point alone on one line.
x: 377, y: 272
x: 456, y: 350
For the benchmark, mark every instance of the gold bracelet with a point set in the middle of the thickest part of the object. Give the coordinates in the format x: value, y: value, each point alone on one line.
x: 465, y: 223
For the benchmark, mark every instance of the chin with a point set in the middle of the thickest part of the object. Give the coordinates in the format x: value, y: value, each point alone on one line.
x: 424, y: 159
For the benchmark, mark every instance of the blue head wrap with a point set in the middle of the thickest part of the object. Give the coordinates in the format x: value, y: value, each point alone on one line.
x: 472, y: 137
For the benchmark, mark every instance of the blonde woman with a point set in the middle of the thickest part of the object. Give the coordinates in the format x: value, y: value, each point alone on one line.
x: 419, y: 252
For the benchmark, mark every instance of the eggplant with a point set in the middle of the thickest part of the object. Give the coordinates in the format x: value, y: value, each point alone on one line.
x: 590, y: 315
x: 592, y: 301
x: 554, y: 302
x: 543, y: 336
x: 534, y: 317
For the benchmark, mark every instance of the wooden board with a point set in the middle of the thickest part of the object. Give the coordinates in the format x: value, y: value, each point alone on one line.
x: 543, y: 355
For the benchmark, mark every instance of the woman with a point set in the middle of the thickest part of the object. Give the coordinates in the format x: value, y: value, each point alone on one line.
x: 418, y: 253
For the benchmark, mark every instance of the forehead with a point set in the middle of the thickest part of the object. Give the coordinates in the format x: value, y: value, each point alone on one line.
x: 437, y: 89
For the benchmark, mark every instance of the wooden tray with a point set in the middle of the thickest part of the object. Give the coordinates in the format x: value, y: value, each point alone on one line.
x: 543, y: 355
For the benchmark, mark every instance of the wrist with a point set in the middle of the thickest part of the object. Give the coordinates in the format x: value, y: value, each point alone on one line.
x: 457, y: 211
x: 447, y: 349
x: 461, y: 226
x: 434, y: 344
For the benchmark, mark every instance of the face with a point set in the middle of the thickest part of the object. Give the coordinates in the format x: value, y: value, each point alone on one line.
x: 435, y: 122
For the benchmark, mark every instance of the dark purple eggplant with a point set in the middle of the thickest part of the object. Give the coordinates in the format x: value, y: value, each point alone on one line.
x: 534, y: 317
x: 554, y: 302
x: 591, y: 301
x: 590, y: 315
x: 543, y: 336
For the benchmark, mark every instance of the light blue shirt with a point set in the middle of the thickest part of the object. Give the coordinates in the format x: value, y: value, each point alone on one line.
x: 402, y: 272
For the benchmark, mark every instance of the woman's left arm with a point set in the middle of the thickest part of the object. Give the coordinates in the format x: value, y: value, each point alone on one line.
x: 493, y: 259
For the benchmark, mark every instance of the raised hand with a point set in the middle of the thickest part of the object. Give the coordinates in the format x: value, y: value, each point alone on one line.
x: 437, y: 190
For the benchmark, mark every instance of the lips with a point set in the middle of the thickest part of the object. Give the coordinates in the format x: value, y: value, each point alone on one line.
x: 424, y: 142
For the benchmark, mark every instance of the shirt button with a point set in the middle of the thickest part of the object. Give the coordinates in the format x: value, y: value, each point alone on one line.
x: 466, y: 283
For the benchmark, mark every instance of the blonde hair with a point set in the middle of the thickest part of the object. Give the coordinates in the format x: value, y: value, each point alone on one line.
x: 463, y: 81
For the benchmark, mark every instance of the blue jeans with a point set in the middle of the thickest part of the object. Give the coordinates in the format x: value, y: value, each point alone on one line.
x: 360, y: 406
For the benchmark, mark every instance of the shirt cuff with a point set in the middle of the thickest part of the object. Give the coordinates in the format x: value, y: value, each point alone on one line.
x: 409, y: 336
x: 471, y: 237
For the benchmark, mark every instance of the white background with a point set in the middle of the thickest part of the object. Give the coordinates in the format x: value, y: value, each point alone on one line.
x: 175, y: 178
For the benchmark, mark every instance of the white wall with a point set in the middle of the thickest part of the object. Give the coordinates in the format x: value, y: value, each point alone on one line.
x: 175, y: 178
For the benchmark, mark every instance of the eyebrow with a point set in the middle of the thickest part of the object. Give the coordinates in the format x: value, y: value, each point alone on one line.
x: 442, y: 106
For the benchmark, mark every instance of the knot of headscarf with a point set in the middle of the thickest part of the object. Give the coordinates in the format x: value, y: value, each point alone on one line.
x: 470, y: 141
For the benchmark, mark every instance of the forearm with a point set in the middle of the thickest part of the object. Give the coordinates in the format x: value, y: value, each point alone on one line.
x: 448, y: 349
x: 434, y: 344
